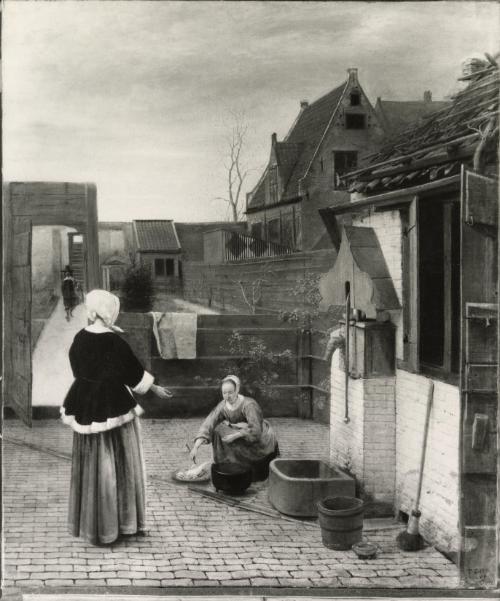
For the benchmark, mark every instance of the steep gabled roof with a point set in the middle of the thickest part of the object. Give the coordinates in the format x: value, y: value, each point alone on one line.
x: 436, y: 147
x: 396, y: 116
x: 156, y: 235
x: 295, y: 153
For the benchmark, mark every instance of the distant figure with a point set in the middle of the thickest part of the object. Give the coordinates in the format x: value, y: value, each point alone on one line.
x: 69, y: 289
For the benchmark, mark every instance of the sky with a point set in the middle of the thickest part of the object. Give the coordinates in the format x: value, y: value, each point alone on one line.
x: 137, y: 96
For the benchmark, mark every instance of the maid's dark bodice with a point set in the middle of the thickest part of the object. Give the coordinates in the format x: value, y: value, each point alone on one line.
x: 103, y: 365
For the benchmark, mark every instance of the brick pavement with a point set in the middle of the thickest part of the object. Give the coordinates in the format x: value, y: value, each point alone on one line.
x: 193, y: 540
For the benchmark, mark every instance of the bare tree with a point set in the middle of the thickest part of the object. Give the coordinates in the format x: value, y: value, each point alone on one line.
x: 233, y: 163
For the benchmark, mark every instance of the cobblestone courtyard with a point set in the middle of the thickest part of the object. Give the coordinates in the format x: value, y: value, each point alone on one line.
x: 192, y: 540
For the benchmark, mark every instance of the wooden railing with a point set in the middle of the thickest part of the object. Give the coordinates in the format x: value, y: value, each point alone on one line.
x: 238, y: 247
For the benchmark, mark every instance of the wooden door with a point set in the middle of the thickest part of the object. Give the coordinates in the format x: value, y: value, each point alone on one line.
x: 16, y: 384
x: 478, y: 381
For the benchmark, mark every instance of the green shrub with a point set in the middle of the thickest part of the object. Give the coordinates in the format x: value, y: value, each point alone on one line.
x: 137, y: 289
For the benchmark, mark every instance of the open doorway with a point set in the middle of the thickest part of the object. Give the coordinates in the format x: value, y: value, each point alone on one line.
x: 55, y: 319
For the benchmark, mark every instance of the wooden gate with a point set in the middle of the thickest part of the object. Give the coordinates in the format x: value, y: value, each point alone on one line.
x: 479, y: 396
x: 17, y: 316
x: 26, y: 204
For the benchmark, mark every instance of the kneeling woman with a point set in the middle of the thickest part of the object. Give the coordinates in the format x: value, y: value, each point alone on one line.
x: 238, y: 432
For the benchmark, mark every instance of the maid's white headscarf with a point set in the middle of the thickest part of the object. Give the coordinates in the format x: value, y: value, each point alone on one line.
x: 237, y: 383
x: 103, y: 304
x: 234, y: 380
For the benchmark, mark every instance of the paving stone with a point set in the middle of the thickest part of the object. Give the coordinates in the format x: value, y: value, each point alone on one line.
x: 385, y: 582
x: 352, y: 582
x: 389, y: 573
x: 264, y: 581
x: 305, y: 582
x: 118, y: 581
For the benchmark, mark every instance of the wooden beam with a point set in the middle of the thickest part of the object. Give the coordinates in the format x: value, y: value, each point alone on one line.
x: 402, y: 157
x: 394, y: 197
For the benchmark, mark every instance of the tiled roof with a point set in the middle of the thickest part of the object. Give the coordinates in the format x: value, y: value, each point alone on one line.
x: 295, y: 153
x: 397, y: 116
x: 436, y: 148
x: 156, y: 235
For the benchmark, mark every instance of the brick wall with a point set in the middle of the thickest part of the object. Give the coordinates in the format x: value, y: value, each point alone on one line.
x: 439, y: 501
x: 367, y: 443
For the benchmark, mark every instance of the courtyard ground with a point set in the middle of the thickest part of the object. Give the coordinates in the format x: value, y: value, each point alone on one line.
x: 193, y: 540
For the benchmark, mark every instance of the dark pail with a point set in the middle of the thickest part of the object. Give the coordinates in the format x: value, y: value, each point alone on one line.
x: 231, y: 478
x: 341, y: 521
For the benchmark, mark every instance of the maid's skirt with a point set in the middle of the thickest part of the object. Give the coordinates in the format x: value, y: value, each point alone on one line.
x: 107, y: 491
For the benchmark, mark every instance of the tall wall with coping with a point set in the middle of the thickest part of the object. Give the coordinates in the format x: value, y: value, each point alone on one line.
x: 217, y: 284
x: 49, y: 254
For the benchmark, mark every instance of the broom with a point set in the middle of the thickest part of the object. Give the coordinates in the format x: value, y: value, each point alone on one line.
x: 410, y: 539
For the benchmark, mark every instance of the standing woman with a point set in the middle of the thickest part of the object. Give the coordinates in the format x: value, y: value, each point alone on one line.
x: 107, y: 489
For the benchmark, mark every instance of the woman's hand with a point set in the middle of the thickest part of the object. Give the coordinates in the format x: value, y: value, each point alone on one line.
x: 197, y: 444
x: 161, y: 392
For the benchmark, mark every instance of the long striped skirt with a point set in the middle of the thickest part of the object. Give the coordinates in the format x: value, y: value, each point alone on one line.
x: 107, y: 492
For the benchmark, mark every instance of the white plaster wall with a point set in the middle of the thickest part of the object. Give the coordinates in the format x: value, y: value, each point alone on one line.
x: 48, y: 256
x: 439, y: 500
x: 388, y: 227
x: 346, y: 440
x: 367, y: 443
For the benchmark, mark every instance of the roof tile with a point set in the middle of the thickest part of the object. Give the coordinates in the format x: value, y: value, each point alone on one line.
x: 156, y: 235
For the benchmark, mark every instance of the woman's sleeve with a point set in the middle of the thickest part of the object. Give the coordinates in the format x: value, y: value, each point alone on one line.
x: 253, y: 415
x: 73, y: 359
x: 130, y: 370
x: 214, y: 418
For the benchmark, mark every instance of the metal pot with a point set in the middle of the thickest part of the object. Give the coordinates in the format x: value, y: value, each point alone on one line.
x: 231, y: 478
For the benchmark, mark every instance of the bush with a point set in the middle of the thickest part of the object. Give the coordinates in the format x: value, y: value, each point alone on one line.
x: 137, y: 289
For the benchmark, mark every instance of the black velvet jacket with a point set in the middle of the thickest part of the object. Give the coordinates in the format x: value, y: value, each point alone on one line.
x: 103, y: 365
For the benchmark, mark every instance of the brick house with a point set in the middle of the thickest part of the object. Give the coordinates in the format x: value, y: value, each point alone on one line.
x: 328, y: 138
x: 422, y: 222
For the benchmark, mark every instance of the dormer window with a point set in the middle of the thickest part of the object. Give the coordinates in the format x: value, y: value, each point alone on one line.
x: 355, y: 121
x: 355, y: 98
x: 273, y: 184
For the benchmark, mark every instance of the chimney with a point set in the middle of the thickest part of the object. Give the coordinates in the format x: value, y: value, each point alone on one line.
x: 427, y: 96
x: 273, y: 139
x: 304, y: 104
x: 473, y: 65
x: 353, y: 74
